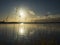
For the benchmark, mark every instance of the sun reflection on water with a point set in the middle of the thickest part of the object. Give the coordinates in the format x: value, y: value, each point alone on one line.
x: 21, y: 31
x: 22, y: 24
x: 24, y: 30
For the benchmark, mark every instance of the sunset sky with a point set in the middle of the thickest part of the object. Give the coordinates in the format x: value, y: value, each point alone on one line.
x: 38, y: 7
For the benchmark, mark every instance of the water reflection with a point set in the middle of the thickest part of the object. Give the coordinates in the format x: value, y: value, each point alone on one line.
x: 22, y: 24
x: 21, y: 31
x: 24, y: 30
x: 30, y: 33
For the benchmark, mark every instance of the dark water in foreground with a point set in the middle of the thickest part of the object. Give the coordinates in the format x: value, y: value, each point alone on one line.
x: 29, y: 34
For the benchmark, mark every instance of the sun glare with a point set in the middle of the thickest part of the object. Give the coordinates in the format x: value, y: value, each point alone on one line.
x: 22, y: 23
x: 22, y: 13
x: 21, y: 31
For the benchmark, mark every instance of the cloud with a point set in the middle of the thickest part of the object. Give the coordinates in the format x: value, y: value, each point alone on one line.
x: 31, y: 12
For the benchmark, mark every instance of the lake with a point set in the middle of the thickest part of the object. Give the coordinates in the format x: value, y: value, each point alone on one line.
x: 29, y: 34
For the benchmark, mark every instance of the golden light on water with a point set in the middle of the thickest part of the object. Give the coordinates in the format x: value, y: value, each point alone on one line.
x: 21, y: 31
x: 22, y: 24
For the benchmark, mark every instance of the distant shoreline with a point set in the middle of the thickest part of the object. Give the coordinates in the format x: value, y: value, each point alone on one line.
x: 28, y: 22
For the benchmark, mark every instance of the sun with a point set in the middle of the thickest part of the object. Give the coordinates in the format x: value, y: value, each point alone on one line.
x: 22, y: 13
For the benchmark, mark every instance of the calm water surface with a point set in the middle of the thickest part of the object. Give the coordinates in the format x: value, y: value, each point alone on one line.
x: 30, y: 34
